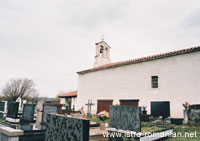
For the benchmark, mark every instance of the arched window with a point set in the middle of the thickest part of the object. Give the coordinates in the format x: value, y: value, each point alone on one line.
x: 101, y: 49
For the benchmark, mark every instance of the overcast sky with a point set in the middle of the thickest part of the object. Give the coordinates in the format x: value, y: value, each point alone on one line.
x: 50, y: 40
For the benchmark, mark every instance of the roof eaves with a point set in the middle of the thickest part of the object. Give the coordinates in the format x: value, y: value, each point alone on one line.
x: 142, y: 59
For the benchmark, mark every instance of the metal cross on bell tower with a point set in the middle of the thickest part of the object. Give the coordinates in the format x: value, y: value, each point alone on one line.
x: 102, y: 37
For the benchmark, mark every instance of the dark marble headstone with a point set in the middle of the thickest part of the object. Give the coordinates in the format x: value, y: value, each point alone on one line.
x: 195, y: 107
x: 28, y: 113
x: 160, y: 108
x: 2, y: 106
x: 1, y: 115
x: 50, y: 108
x: 125, y: 118
x: 2, y: 109
x: 177, y: 121
x: 194, y: 114
x: 26, y: 127
x: 13, y: 109
x: 63, y: 128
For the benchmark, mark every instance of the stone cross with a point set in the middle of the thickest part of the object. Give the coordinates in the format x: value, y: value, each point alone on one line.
x: 89, y: 107
x: 20, y: 101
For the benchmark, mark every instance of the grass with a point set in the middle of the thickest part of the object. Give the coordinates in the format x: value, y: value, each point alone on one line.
x: 151, y: 129
x: 185, y: 131
x: 1, y: 119
x: 178, y: 131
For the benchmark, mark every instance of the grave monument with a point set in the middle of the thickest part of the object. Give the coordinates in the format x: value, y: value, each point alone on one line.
x: 12, y: 114
x: 50, y: 108
x: 125, y: 118
x: 160, y: 108
x: 28, y: 113
x: 3, y: 108
x: 64, y: 128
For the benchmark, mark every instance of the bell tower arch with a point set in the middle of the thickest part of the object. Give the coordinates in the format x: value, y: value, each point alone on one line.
x: 102, y: 56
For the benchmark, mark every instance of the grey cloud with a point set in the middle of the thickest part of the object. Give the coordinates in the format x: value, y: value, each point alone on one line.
x: 193, y: 19
x: 84, y: 18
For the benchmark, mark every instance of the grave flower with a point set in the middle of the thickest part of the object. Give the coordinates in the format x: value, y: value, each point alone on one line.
x: 186, y: 105
x: 82, y: 110
x: 103, y: 115
x: 144, y: 110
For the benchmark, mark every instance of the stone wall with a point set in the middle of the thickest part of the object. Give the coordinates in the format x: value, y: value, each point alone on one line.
x: 63, y: 128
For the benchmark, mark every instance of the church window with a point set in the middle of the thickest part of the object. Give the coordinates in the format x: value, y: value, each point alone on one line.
x: 154, y: 81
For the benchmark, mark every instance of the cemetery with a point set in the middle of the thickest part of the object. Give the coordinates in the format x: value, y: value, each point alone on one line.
x: 139, y: 82
x: 129, y: 121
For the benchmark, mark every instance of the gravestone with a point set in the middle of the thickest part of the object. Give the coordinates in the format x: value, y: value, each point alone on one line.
x: 51, y: 108
x: 28, y: 113
x: 194, y: 114
x: 26, y: 127
x: 177, y: 121
x: 13, y: 109
x: 160, y: 108
x: 63, y: 128
x: 3, y: 108
x: 125, y: 118
x: 12, y: 114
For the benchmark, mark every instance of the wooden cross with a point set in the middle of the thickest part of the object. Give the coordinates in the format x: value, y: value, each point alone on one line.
x: 89, y: 107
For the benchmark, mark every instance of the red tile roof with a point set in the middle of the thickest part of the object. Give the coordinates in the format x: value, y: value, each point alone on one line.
x: 142, y: 59
x: 99, y: 42
x: 68, y: 94
x: 102, y: 42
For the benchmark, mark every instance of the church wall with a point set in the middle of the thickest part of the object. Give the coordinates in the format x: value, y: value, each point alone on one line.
x: 179, y: 80
x: 62, y: 101
x: 101, y: 61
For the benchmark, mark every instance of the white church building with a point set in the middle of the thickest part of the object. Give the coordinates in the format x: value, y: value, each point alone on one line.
x: 172, y: 76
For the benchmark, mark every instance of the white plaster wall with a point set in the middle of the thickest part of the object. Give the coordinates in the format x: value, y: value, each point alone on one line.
x: 104, y: 58
x: 179, y: 81
x: 73, y: 101
x: 62, y: 101
x: 101, y: 61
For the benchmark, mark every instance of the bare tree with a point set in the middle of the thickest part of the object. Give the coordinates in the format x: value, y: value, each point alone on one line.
x: 23, y: 88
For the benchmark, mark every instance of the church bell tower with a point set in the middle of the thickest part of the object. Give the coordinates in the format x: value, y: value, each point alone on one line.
x: 102, y: 54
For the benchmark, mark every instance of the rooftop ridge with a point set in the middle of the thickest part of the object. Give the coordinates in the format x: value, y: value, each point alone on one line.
x: 141, y: 59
